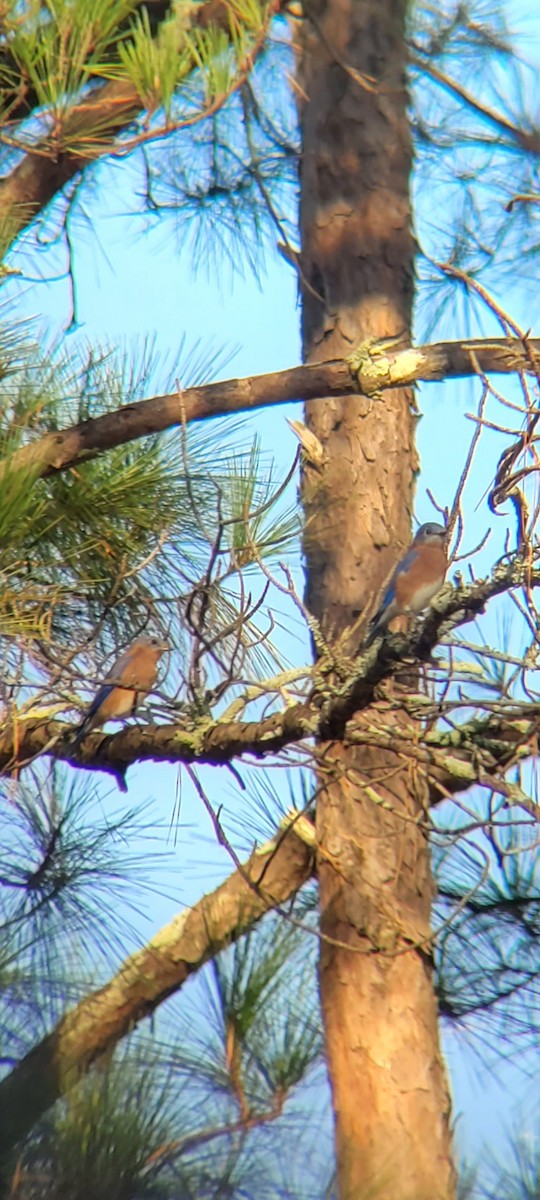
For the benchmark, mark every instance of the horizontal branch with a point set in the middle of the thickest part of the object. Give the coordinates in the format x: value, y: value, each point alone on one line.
x: 271, y: 876
x: 374, y: 367
x: 479, y: 752
x: 455, y: 760
x: 322, y: 718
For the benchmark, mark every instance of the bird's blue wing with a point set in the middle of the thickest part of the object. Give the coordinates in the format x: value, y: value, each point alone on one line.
x: 378, y: 620
x: 405, y: 565
x: 115, y: 678
x: 116, y: 674
x: 95, y: 706
x: 98, y: 700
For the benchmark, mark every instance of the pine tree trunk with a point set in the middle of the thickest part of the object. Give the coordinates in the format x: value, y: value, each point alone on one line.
x: 388, y: 1080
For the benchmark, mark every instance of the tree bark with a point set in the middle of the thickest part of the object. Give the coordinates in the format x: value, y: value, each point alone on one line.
x: 40, y: 175
x: 329, y: 712
x: 89, y: 127
x: 374, y: 369
x: 388, y: 1081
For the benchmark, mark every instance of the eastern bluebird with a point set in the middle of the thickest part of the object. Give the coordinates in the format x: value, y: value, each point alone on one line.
x: 415, y: 581
x: 131, y: 677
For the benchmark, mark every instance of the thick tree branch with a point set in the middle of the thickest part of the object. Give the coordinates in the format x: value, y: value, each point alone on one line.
x: 271, y: 876
x: 42, y: 173
x: 374, y: 367
x: 475, y: 753
x: 324, y: 717
x: 88, y: 129
x: 479, y: 752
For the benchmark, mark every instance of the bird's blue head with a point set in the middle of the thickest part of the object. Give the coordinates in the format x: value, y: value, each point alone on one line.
x: 430, y: 532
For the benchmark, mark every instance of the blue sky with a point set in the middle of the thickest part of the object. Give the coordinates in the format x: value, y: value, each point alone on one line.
x: 136, y: 282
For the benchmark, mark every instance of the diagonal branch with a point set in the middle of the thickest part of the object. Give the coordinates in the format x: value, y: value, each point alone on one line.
x: 527, y: 140
x: 479, y: 752
x: 324, y: 717
x: 89, y: 128
x: 272, y: 875
x: 41, y: 173
x: 375, y: 367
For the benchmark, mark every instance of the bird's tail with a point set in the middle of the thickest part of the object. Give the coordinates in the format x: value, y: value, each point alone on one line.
x: 84, y: 728
x: 80, y: 734
x: 374, y: 629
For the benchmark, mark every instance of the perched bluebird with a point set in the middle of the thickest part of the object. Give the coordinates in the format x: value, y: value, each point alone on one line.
x: 416, y: 579
x: 131, y: 678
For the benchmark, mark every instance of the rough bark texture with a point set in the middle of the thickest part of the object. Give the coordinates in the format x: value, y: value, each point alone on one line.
x: 389, y: 1087
x: 357, y: 254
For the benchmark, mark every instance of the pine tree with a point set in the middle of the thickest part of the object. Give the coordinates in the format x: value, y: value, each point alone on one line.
x: 112, y: 527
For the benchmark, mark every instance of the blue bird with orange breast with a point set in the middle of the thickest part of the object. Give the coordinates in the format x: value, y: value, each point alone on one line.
x: 416, y: 579
x: 129, y: 680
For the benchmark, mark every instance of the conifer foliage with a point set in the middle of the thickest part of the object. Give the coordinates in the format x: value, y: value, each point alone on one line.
x: 375, y: 807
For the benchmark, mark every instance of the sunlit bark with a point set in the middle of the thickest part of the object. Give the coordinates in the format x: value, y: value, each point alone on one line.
x: 388, y: 1081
